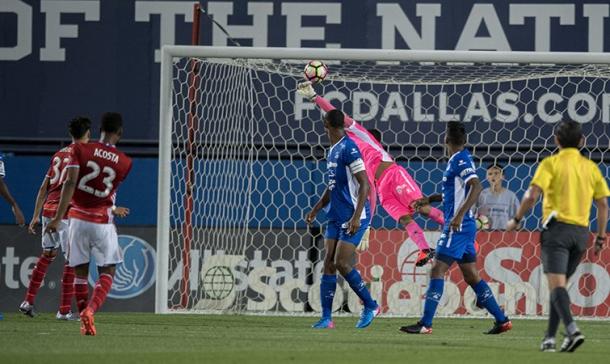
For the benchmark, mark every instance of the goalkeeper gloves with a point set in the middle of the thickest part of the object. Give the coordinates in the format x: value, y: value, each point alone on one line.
x: 305, y: 89
x: 364, y: 242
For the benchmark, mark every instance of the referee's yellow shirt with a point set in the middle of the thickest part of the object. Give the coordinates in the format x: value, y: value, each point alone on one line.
x: 569, y: 182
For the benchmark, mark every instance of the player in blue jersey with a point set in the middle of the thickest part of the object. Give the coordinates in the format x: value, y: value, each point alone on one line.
x: 348, y: 213
x: 461, y: 189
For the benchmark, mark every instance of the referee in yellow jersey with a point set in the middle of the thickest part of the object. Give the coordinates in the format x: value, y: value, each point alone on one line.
x: 569, y: 182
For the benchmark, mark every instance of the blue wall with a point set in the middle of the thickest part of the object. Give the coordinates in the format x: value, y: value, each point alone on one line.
x: 138, y: 192
x: 279, y: 198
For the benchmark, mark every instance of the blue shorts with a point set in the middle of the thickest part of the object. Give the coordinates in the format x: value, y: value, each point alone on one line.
x: 457, y: 246
x: 336, y: 231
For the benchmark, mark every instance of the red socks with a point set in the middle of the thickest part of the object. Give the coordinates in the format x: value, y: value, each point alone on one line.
x: 67, y: 290
x: 102, y: 287
x: 81, y: 291
x: 37, y: 276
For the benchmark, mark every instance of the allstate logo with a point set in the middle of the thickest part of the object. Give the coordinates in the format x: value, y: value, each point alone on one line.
x: 218, y: 282
x: 137, y: 272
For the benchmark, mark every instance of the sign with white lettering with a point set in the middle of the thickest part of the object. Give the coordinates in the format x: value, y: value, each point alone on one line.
x: 59, y: 59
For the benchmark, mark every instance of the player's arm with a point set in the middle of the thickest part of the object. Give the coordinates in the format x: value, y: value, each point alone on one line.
x: 530, y: 198
x: 437, y: 197
x: 324, y: 200
x: 600, y: 196
x: 306, y: 89
x: 540, y: 182
x: 472, y: 197
x: 363, y: 194
x: 120, y: 211
x: 5, y: 193
x: 602, y: 222
x: 67, y: 191
x: 40, y: 197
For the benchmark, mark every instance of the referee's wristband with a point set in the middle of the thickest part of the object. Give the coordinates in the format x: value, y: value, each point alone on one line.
x: 600, y: 240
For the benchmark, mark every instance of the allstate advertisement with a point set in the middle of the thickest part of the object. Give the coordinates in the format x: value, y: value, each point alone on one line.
x: 288, y: 281
x: 131, y: 288
x: 509, y: 261
x: 64, y: 58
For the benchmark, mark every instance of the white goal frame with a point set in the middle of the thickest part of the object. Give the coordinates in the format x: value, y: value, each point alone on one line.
x: 170, y: 52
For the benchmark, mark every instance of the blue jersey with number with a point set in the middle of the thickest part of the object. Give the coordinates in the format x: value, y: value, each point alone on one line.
x: 460, y: 170
x: 342, y: 184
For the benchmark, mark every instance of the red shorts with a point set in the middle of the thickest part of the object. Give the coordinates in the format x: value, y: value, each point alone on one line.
x: 397, y: 191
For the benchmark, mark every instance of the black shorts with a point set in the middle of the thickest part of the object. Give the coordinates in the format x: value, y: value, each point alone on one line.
x: 563, y: 246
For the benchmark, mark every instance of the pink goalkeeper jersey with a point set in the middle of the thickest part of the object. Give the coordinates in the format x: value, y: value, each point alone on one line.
x: 372, y: 151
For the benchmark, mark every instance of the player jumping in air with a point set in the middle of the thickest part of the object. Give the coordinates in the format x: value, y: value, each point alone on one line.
x: 94, y: 172
x: 46, y: 202
x: 461, y: 189
x: 396, y: 188
x: 348, y: 218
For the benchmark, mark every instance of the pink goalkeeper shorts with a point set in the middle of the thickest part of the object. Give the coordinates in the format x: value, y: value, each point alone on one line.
x: 397, y: 191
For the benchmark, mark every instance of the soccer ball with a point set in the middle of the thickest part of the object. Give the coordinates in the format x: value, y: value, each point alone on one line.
x: 483, y: 222
x: 315, y: 71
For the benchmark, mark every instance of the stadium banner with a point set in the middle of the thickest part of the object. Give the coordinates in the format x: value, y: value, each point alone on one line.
x: 132, y: 289
x: 286, y: 282
x: 289, y: 280
x: 510, y: 262
x: 55, y: 45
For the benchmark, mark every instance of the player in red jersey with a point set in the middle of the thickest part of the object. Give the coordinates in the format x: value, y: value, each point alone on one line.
x: 95, y: 171
x: 46, y: 202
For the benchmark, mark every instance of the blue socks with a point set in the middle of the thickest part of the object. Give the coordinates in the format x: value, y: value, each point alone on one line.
x: 433, y: 297
x: 327, y: 294
x: 486, y: 299
x: 357, y: 284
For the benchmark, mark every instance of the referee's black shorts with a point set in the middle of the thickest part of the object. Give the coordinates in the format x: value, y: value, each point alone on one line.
x: 563, y: 246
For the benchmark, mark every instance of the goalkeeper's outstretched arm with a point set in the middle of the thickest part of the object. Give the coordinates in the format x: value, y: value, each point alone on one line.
x: 306, y: 89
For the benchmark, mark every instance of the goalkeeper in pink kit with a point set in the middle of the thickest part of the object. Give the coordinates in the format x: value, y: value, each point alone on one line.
x: 396, y: 188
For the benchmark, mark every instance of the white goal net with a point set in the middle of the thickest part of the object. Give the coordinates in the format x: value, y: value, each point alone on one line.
x: 242, y: 161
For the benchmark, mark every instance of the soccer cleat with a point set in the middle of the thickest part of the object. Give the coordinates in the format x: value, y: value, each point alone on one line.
x: 548, y: 345
x: 500, y: 327
x: 27, y: 309
x: 324, y: 323
x: 572, y: 342
x: 418, y: 328
x: 424, y: 257
x: 87, y: 325
x: 366, y: 317
x: 70, y: 316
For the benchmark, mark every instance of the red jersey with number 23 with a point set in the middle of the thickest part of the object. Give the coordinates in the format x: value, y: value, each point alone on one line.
x: 56, y: 175
x: 102, y: 168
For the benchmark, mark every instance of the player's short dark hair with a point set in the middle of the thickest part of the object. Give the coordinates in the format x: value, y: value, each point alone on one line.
x: 376, y: 133
x: 568, y: 133
x: 112, y: 122
x: 335, y: 118
x: 456, y: 133
x: 495, y: 165
x: 79, y: 126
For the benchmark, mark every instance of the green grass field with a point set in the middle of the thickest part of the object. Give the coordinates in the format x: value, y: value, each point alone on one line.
x: 148, y: 338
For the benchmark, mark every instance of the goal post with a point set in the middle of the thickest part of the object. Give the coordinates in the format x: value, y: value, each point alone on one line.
x: 241, y: 160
